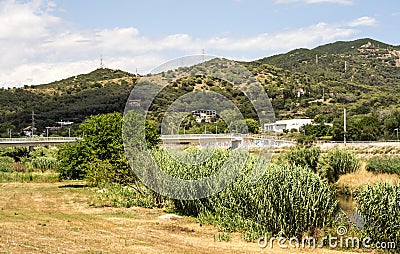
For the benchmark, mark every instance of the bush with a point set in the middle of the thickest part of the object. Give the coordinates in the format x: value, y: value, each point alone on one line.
x: 44, y: 163
x: 6, y: 159
x: 71, y: 158
x: 384, y: 164
x: 6, y: 164
x: 337, y: 162
x: 17, y: 153
x: 379, y: 207
x: 117, y: 195
x: 304, y: 157
x: 103, y: 172
x: 102, y: 142
x: 288, y: 199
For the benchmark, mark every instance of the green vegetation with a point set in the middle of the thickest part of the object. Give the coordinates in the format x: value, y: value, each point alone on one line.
x: 288, y: 200
x: 134, y: 194
x: 384, y: 164
x: 337, y: 162
x: 379, y: 207
x: 303, y: 156
x: 331, y: 165
x: 21, y: 165
x: 44, y: 163
x: 28, y: 177
x: 295, y: 83
x: 293, y: 197
x: 99, y: 156
x: 72, y: 99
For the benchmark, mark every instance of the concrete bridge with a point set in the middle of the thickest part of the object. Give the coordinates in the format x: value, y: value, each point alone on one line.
x: 221, y: 140
x: 36, y: 141
x: 224, y: 140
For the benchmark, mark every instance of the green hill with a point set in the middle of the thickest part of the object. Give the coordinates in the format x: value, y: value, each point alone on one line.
x: 361, y: 75
x: 71, y: 99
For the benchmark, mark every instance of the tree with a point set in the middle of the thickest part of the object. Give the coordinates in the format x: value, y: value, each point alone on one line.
x: 99, y: 155
x: 370, y: 128
x: 253, y: 126
x: 391, y: 122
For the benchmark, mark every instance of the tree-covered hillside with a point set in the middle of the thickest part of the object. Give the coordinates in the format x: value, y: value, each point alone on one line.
x: 363, y: 76
x: 72, y: 99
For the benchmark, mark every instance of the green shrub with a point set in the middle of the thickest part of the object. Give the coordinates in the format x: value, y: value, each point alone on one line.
x: 288, y: 198
x: 44, y: 163
x: 6, y: 159
x: 384, y: 164
x: 17, y: 153
x: 100, y: 146
x: 6, y: 164
x: 5, y: 167
x: 304, y: 157
x: 380, y: 209
x: 117, y: 195
x: 102, y: 172
x: 337, y: 162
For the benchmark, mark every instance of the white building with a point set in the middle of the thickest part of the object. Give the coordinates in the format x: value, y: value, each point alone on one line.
x: 280, y: 126
x: 205, y: 115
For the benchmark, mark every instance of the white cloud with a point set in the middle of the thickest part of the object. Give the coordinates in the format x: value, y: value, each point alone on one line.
x: 50, y: 50
x: 363, y: 21
x: 346, y: 2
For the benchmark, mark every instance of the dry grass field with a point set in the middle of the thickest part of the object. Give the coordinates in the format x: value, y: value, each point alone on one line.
x: 61, y: 218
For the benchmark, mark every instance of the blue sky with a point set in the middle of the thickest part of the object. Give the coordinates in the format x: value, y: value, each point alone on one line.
x: 42, y: 41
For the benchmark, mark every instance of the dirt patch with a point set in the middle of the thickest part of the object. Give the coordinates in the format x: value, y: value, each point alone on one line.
x: 43, y: 218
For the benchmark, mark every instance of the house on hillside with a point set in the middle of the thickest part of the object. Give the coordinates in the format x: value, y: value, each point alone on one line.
x: 206, y: 116
x: 28, y: 130
x: 282, y: 125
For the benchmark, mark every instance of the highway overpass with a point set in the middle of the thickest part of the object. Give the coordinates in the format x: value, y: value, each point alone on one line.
x: 36, y: 141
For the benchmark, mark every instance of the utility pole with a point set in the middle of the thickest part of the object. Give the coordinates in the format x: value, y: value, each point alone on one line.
x: 345, y: 66
x: 9, y: 132
x: 316, y: 59
x: 397, y: 134
x: 33, y: 121
x: 344, y: 126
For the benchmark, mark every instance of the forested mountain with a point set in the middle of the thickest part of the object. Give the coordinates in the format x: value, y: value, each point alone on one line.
x: 72, y: 99
x: 361, y: 75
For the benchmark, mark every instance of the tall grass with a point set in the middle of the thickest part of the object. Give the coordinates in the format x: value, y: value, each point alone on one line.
x: 117, y: 195
x: 6, y: 164
x: 379, y: 205
x: 288, y: 199
x: 303, y: 156
x: 384, y: 164
x: 6, y: 177
x: 337, y: 162
x: 44, y: 163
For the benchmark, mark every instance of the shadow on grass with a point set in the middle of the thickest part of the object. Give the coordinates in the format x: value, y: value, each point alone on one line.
x: 74, y: 186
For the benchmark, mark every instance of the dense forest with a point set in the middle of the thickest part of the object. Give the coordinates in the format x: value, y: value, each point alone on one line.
x: 363, y: 76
